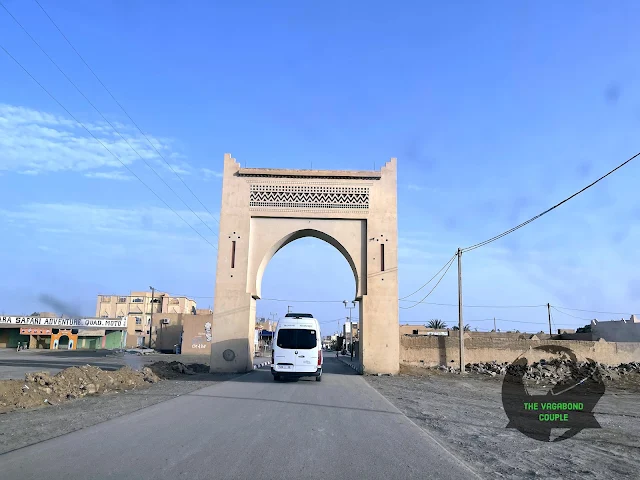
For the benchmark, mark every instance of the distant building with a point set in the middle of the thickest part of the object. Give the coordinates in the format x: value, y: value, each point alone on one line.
x: 50, y: 331
x: 617, y: 330
x: 138, y: 307
x: 421, y: 330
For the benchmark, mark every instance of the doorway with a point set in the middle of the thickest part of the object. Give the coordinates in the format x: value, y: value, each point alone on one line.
x: 63, y: 342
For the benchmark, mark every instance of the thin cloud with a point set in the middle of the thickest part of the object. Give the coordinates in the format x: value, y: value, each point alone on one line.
x: 144, y: 224
x: 34, y: 142
x: 415, y: 187
x: 112, y: 235
x: 208, y: 173
x: 109, y: 175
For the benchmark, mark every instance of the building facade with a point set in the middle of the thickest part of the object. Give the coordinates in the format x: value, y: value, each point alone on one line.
x: 617, y: 330
x: 143, y: 308
x: 57, y: 333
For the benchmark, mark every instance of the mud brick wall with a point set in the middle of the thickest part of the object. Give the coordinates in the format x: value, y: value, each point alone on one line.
x: 433, y: 351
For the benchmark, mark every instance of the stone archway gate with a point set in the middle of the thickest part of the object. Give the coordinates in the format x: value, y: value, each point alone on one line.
x: 264, y: 209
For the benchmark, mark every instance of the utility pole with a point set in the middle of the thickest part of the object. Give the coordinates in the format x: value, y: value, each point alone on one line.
x: 288, y: 308
x: 153, y: 294
x: 494, y: 325
x: 351, y: 306
x: 273, y: 329
x: 549, y: 314
x: 460, y: 320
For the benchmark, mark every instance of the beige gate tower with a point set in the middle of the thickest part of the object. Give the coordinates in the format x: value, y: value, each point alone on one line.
x: 264, y: 209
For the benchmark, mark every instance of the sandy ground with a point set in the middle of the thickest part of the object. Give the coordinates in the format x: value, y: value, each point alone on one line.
x: 467, y: 417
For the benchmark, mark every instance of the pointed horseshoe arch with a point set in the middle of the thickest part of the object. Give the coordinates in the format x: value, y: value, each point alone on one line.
x: 297, y: 235
x: 263, y: 210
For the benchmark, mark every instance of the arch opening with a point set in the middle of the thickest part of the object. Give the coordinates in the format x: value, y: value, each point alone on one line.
x: 297, y: 235
x: 63, y: 342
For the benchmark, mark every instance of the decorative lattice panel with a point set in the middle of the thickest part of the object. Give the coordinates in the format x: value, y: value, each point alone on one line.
x: 308, y: 196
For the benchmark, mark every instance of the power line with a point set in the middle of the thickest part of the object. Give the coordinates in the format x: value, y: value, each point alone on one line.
x: 443, y: 267
x: 493, y: 239
x: 434, y: 287
x: 594, y: 311
x: 125, y: 112
x: 210, y: 297
x: 570, y: 315
x: 104, y: 118
x: 476, y: 306
x: 101, y: 143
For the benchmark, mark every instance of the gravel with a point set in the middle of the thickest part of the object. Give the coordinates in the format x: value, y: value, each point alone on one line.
x: 467, y: 416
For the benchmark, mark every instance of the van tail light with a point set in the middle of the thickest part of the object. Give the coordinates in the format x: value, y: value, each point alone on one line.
x: 319, y: 358
x: 272, y: 358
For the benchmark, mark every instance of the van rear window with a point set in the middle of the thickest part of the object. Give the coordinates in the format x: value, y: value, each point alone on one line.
x: 297, y: 338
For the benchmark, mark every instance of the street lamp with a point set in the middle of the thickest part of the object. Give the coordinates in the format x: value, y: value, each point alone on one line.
x: 351, y: 306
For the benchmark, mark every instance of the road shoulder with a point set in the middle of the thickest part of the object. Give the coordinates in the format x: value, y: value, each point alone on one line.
x: 28, y: 427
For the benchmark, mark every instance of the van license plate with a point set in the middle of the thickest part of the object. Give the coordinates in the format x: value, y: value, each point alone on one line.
x: 285, y: 367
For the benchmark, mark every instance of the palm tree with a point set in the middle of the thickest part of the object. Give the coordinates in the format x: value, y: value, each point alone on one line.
x: 436, y: 324
x: 467, y: 328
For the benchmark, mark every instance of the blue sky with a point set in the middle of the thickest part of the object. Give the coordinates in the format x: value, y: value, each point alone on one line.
x: 495, y: 112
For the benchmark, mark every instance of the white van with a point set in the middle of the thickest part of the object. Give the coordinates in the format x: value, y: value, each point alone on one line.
x: 297, y: 350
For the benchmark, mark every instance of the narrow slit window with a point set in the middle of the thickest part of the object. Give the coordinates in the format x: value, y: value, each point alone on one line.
x: 233, y: 254
x: 382, y: 257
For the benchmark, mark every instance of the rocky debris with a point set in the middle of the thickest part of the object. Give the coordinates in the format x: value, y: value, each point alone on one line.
x: 551, y: 371
x: 170, y: 370
x: 41, y: 388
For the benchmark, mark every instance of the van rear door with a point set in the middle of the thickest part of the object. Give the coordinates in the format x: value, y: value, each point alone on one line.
x: 284, y: 356
x: 307, y: 357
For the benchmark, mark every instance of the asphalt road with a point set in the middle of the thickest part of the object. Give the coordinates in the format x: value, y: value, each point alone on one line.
x: 249, y: 427
x: 13, y: 365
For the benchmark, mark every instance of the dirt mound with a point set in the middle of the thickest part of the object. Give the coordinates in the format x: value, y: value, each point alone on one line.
x: 168, y: 370
x: 41, y: 388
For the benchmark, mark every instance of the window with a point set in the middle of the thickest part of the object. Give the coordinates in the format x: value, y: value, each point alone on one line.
x: 136, y: 300
x: 382, y: 257
x: 233, y: 254
x: 299, y: 315
x: 155, y: 300
x: 297, y: 338
x: 105, y: 298
x: 174, y: 301
x: 122, y: 299
x: 138, y: 321
x: 415, y: 332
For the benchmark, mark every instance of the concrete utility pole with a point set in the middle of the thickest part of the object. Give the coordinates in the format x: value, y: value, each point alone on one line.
x: 153, y: 294
x: 288, y: 308
x: 460, y: 321
x: 350, y: 307
x: 549, y: 314
x: 494, y: 325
